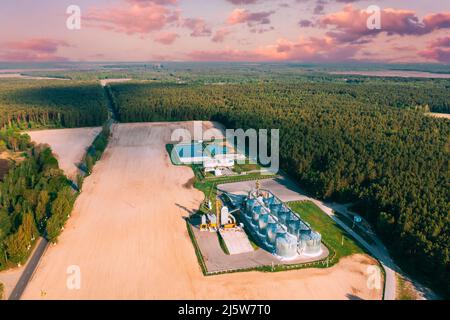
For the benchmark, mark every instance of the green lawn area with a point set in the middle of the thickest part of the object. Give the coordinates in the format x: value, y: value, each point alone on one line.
x: 239, y: 168
x: 331, y: 232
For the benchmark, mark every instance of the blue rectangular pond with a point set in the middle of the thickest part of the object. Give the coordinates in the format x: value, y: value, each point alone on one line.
x: 215, y: 149
x: 191, y: 150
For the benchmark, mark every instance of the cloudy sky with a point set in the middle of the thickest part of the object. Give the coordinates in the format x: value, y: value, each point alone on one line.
x: 226, y: 30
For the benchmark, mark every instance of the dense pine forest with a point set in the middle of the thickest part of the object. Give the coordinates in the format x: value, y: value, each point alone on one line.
x: 35, y: 198
x: 369, y: 144
x: 51, y: 103
x: 428, y: 94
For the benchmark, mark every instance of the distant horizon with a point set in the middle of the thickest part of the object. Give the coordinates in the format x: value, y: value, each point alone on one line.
x: 107, y: 62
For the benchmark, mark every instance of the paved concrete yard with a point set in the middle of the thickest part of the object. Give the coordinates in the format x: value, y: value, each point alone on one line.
x: 236, y: 241
x: 281, y: 187
x: 217, y: 261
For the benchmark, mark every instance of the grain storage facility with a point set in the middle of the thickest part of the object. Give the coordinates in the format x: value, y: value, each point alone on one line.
x: 276, y: 227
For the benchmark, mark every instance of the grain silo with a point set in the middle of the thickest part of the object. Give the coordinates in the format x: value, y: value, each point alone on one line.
x: 286, y: 245
x: 310, y: 243
x: 283, y: 217
x: 273, y: 230
x: 255, y: 216
x: 263, y: 221
x: 275, y: 208
x: 293, y: 226
x: 277, y: 228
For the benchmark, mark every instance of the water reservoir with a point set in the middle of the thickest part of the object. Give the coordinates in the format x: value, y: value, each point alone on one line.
x: 189, y: 152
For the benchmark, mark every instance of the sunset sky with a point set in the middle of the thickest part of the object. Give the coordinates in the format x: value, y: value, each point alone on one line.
x: 226, y: 30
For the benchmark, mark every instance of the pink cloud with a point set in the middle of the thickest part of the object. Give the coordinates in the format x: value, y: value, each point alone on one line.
x: 198, y: 27
x: 42, y: 45
x: 350, y: 25
x: 308, y: 50
x: 167, y: 38
x: 134, y: 19
x: 220, y: 35
x: 149, y: 2
x: 437, y: 21
x: 240, y: 2
x: 436, y: 54
x: 319, y: 8
x: 23, y: 56
x: 224, y: 55
x: 35, y: 49
x: 438, y: 50
x: 250, y: 18
x: 441, y: 42
x: 305, y: 23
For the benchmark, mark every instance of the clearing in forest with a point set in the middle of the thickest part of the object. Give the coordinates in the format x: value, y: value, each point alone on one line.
x: 128, y: 237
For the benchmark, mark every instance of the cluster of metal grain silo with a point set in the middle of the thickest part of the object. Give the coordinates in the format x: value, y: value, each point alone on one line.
x: 279, y: 229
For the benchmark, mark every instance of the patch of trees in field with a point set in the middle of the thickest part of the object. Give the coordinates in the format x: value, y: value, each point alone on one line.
x: 342, y: 142
x: 51, y: 103
x: 35, y: 199
x: 95, y: 152
x: 11, y: 143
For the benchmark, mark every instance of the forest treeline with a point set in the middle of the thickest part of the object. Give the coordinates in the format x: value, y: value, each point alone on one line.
x: 95, y: 151
x: 341, y: 142
x: 28, y: 104
x: 35, y: 199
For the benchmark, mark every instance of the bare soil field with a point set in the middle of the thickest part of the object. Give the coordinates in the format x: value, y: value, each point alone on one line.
x: 21, y: 76
x: 105, y: 82
x: 68, y: 145
x: 128, y: 237
x: 9, y: 279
